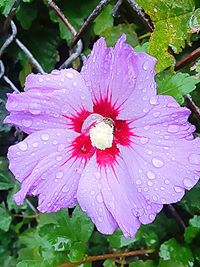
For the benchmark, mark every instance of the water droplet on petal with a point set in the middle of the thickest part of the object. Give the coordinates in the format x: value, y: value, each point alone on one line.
x: 69, y: 75
x: 194, y: 159
x: 157, y: 162
x: 153, y: 100
x: 58, y: 158
x: 40, y: 79
x: 35, y: 108
x: 35, y: 144
x: 65, y: 189
x: 23, y: 146
x: 178, y: 189
x: 144, y: 140
x: 151, y: 175
x: 173, y: 128
x: 188, y: 183
x: 59, y: 174
x: 45, y: 137
x: 166, y: 181
x: 152, y: 216
x: 26, y: 122
x: 146, y: 65
x: 100, y: 219
x: 99, y: 198
x: 98, y: 175
x: 138, y: 182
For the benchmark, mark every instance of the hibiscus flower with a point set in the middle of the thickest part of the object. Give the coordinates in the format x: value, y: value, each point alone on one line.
x: 103, y: 139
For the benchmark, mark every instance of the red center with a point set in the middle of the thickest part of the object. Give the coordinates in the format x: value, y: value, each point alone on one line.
x: 82, y: 147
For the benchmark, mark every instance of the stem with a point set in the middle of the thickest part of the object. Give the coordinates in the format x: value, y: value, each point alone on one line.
x: 10, y: 16
x: 108, y: 256
x: 187, y: 59
x: 89, y: 20
x: 144, y: 36
x: 192, y: 106
x: 141, y: 14
x: 176, y: 216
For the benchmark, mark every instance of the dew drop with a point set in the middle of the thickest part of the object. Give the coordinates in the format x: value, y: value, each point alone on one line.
x: 69, y: 75
x: 166, y: 181
x: 144, y: 140
x: 100, y: 219
x: 99, y: 198
x: 45, y: 137
x: 98, y: 175
x: 153, y: 100
x: 138, y: 182
x: 40, y: 79
x: 187, y: 183
x: 157, y: 162
x: 178, y: 189
x: 26, y: 122
x: 146, y: 65
x: 156, y: 114
x: 35, y: 144
x: 194, y: 159
x: 23, y: 146
x: 59, y: 174
x: 151, y: 175
x: 35, y: 108
x: 151, y: 216
x: 173, y: 129
x: 65, y: 189
x: 58, y: 158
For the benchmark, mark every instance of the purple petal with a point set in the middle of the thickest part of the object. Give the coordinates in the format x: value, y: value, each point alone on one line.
x: 24, y: 156
x: 91, y: 201
x: 128, y: 207
x: 48, y: 101
x: 143, y: 95
x: 164, y: 159
x: 111, y: 72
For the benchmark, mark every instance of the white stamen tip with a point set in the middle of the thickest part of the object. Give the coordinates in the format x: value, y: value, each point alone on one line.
x: 101, y: 135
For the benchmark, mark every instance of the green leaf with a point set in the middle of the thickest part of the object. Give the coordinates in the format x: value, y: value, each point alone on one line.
x: 77, y: 251
x: 6, y: 178
x: 141, y: 263
x: 109, y: 263
x: 193, y: 230
x: 117, y: 240
x: 171, y: 21
x: 169, y: 263
x: 172, y: 250
x: 104, y: 21
x: 112, y: 34
x: 82, y: 227
x: 5, y: 6
x: 194, y: 22
x: 191, y: 200
x: 5, y: 219
x: 26, y: 14
x: 177, y: 84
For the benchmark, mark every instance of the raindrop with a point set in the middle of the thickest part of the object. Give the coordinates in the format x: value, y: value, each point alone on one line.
x: 59, y: 174
x: 146, y: 65
x: 99, y: 198
x: 35, y: 144
x: 100, y: 219
x: 144, y: 140
x: 173, y: 129
x: 151, y: 216
x: 157, y: 162
x: 40, y: 79
x: 151, y: 175
x: 166, y: 181
x: 58, y: 158
x: 55, y: 72
x: 187, y: 183
x: 23, y: 146
x: 35, y: 108
x: 65, y: 189
x: 178, y: 189
x: 26, y: 122
x: 156, y: 114
x: 194, y: 159
x: 153, y: 100
x: 45, y: 137
x: 69, y: 75
x: 138, y: 182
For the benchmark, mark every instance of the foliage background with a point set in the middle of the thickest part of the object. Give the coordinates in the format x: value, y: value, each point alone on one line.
x: 169, y: 30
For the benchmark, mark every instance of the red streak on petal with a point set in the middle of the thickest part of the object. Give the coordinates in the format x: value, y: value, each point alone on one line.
x: 105, y: 108
x: 82, y: 147
x: 77, y: 120
x: 107, y: 157
x: 122, y: 133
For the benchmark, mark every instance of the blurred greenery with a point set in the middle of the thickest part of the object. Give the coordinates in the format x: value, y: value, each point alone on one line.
x: 31, y: 239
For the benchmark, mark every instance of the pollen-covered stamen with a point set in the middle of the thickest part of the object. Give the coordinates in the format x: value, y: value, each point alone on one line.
x: 101, y: 134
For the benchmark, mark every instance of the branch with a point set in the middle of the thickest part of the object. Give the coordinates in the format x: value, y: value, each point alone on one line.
x: 108, y: 256
x: 187, y: 59
x: 141, y: 14
x: 192, y: 106
x: 89, y: 20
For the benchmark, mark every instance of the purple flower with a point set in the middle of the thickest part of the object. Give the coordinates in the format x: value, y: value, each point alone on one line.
x: 104, y: 140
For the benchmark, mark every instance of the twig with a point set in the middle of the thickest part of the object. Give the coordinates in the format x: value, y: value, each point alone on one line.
x: 187, y: 59
x: 108, y: 256
x: 79, y: 48
x: 192, y: 106
x: 10, y: 16
x: 141, y: 14
x: 89, y: 20
x: 176, y: 216
x: 10, y: 39
x: 30, y: 56
x: 116, y: 8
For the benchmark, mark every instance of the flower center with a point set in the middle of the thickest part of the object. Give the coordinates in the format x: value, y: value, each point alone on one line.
x: 101, y: 134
